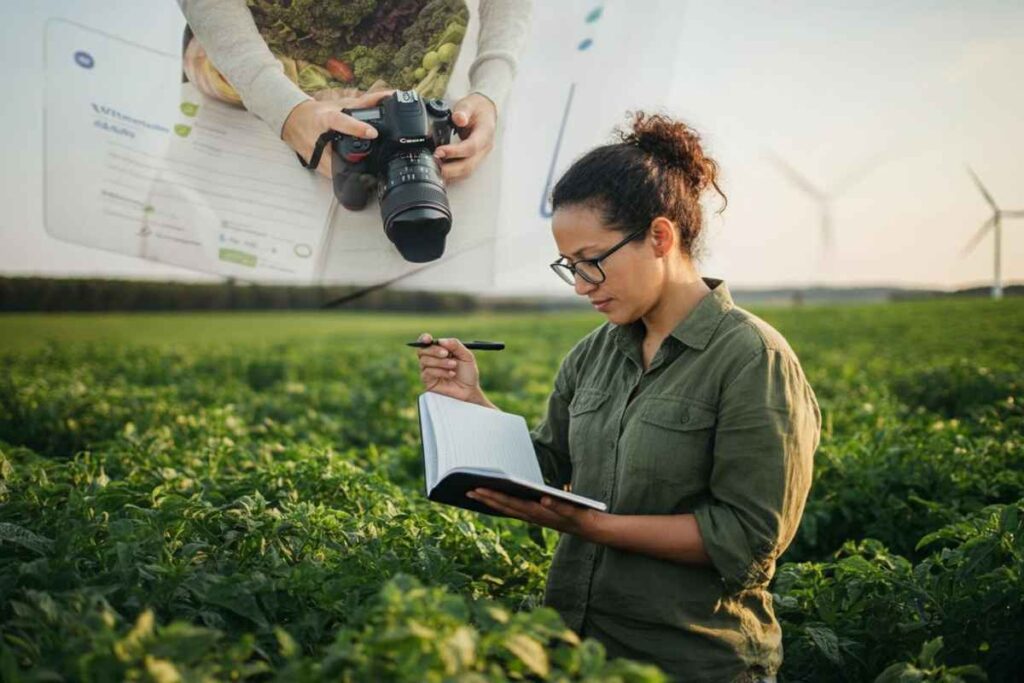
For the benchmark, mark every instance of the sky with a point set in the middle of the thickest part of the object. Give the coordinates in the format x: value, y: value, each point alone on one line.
x: 883, y: 104
x: 900, y: 95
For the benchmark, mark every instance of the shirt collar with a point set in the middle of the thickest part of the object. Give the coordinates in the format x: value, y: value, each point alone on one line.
x: 699, y: 326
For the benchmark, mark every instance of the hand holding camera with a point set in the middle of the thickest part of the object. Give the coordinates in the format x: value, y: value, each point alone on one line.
x: 476, y: 120
x: 398, y: 164
x: 308, y: 121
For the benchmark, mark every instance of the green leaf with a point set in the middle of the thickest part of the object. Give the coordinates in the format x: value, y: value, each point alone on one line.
x: 1009, y: 520
x: 929, y: 651
x: 530, y: 652
x: 162, y: 671
x: 968, y: 671
x: 18, y: 535
x: 826, y: 641
x: 900, y: 673
x: 285, y: 643
x: 131, y: 647
x: 458, y: 651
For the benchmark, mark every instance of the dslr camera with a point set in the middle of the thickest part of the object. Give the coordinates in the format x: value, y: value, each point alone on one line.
x: 399, y: 165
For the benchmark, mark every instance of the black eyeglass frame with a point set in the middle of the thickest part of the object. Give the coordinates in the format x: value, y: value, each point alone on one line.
x: 558, y: 267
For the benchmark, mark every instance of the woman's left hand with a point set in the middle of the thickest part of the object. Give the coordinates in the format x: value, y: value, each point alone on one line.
x: 549, y: 512
x: 476, y: 117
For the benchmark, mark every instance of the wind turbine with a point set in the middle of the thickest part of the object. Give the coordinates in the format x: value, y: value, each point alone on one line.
x: 994, y: 223
x: 825, y: 197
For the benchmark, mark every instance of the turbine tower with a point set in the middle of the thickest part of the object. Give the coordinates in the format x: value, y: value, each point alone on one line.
x: 994, y: 223
x: 825, y: 197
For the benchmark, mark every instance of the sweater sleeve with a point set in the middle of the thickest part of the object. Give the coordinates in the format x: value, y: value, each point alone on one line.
x: 226, y: 30
x: 504, y: 25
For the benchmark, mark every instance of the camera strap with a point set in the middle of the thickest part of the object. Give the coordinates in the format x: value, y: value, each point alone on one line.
x: 318, y: 149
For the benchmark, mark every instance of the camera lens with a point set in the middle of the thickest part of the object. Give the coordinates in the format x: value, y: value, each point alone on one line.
x: 414, y: 206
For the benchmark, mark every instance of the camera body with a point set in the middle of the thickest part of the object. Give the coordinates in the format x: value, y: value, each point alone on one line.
x: 400, y: 165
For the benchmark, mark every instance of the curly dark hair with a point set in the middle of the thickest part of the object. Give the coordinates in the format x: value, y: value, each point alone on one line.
x: 657, y: 168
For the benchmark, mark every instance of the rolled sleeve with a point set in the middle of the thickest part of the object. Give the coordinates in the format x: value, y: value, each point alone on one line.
x: 768, y: 428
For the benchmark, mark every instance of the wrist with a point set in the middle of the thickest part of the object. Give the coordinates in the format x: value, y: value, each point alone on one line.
x: 478, y: 397
x: 596, y: 525
x: 290, y: 129
x: 486, y: 98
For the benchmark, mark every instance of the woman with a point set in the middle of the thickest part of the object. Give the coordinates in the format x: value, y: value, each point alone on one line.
x: 690, y: 417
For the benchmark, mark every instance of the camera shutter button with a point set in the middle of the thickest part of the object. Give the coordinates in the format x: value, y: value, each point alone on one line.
x: 356, y: 151
x: 437, y: 107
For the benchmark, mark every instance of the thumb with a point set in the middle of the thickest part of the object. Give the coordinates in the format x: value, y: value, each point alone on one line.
x: 461, y: 116
x: 457, y: 349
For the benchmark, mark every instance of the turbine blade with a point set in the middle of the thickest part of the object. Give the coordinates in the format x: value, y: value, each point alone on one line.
x: 981, y: 188
x: 969, y: 247
x: 796, y: 178
x: 858, y: 173
x: 1013, y: 214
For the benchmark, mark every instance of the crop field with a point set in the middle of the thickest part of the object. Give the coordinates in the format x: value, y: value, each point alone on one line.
x: 240, y: 497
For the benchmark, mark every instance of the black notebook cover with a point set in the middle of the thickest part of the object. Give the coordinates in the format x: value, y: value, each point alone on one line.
x: 452, y: 491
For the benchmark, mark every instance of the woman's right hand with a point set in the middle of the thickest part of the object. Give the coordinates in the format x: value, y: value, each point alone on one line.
x: 450, y: 368
x: 308, y: 120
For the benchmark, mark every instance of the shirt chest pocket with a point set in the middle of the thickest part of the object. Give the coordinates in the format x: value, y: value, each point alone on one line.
x: 673, y: 441
x: 586, y: 422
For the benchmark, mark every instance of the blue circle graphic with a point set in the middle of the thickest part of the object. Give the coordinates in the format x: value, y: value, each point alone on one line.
x: 84, y: 59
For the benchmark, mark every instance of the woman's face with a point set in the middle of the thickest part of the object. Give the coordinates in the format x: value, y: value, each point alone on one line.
x: 632, y: 273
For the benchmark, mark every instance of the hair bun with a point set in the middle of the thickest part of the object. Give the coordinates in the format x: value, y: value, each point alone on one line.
x: 675, y: 145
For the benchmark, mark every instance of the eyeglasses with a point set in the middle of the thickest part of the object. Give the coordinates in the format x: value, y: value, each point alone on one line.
x: 589, y: 268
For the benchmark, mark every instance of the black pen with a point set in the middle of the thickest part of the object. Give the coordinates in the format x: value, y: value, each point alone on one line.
x: 475, y: 345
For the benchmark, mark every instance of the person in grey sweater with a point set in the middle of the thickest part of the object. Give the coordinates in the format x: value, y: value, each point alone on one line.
x: 228, y: 34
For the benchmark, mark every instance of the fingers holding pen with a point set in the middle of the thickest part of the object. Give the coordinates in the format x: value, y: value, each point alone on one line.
x: 457, y: 349
x: 432, y: 351
x: 448, y: 367
x: 435, y: 360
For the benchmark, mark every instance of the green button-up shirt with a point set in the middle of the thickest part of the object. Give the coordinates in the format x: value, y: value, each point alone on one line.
x: 722, y: 425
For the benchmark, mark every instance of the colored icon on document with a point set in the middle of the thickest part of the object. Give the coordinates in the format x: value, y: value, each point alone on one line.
x: 189, y: 108
x: 84, y: 59
x: 592, y: 16
x: 182, y: 130
x: 240, y: 257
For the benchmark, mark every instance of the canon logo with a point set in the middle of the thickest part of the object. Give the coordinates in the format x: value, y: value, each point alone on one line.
x: 406, y: 141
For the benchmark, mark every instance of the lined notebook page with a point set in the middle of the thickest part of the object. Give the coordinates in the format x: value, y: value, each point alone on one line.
x: 429, y: 446
x: 469, y: 435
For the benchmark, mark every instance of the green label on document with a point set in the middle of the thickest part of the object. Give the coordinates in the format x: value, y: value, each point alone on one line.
x: 240, y: 257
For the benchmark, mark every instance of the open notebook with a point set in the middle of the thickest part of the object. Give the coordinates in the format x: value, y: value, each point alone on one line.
x: 466, y: 446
